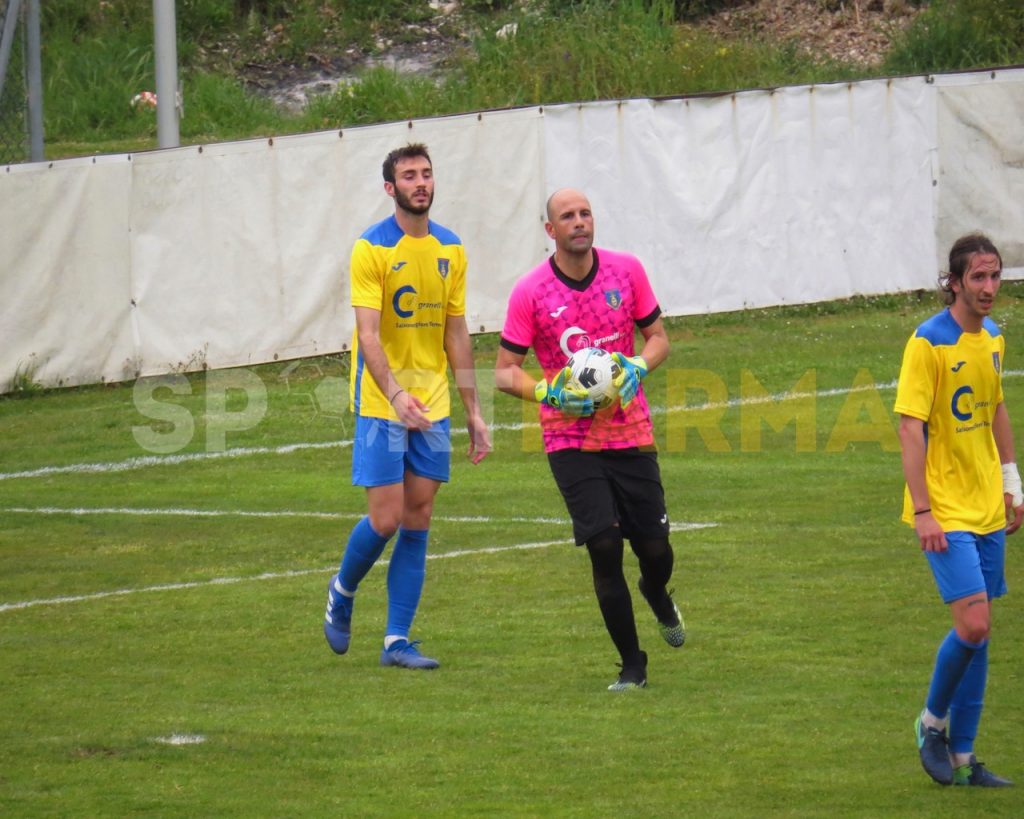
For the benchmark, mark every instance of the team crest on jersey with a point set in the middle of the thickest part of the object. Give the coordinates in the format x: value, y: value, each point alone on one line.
x: 995, y: 361
x: 442, y: 268
x: 613, y: 299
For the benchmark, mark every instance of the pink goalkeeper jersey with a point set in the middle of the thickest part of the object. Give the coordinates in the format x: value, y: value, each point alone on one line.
x: 557, y: 316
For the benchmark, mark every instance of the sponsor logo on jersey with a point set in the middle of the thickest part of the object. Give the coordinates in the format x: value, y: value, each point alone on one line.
x: 398, y: 266
x: 558, y: 312
x: 964, y: 396
x: 573, y: 339
x: 400, y: 297
x: 958, y: 365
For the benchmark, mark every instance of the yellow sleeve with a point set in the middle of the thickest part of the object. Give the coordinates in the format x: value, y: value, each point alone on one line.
x: 366, y: 273
x: 915, y: 391
x: 457, y: 293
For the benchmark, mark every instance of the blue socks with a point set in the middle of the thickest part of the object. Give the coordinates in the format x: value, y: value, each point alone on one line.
x: 406, y: 574
x: 364, y: 548
x: 951, y: 663
x: 965, y: 710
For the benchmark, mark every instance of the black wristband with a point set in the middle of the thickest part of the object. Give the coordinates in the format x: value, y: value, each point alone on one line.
x: 394, y: 395
x: 922, y: 511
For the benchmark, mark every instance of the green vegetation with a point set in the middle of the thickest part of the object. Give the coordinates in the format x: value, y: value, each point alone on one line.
x: 961, y: 34
x: 97, y: 56
x: 812, y: 617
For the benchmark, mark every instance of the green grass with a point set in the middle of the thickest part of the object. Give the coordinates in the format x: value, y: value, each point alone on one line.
x: 96, y: 57
x: 812, y: 618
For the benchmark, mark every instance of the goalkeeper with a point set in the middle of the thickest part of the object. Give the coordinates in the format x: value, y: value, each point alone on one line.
x: 604, y: 463
x: 963, y: 496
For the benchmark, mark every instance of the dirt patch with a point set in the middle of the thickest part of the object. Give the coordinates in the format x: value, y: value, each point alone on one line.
x: 856, y: 31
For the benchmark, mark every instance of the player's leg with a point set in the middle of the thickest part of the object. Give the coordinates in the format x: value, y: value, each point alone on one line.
x: 968, y: 701
x: 959, y: 578
x: 613, y: 598
x: 428, y: 465
x: 588, y: 497
x: 377, y: 465
x: 640, y: 499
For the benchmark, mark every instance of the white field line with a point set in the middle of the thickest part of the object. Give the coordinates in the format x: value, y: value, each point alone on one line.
x: 227, y: 581
x: 222, y: 513
x: 169, y: 460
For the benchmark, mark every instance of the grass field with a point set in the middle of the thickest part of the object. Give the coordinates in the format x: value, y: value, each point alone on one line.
x: 160, y: 612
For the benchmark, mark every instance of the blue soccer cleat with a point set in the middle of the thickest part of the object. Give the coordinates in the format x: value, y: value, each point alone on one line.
x: 404, y: 654
x: 975, y: 773
x: 933, y: 747
x: 337, y: 619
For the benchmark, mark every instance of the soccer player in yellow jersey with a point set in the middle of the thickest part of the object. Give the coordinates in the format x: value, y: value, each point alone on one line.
x: 408, y: 279
x: 963, y: 496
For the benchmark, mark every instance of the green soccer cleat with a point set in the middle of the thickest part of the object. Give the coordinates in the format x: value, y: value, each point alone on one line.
x: 975, y: 773
x: 670, y: 621
x: 932, y: 745
x: 632, y: 676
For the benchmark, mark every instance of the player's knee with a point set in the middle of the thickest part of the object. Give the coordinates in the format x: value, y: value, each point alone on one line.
x: 974, y: 630
x: 656, y: 560
x: 974, y: 625
x: 605, y: 550
x: 385, y: 522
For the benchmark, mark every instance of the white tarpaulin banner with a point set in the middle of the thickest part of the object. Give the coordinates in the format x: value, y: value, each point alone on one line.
x: 237, y: 253
x: 65, y: 268
x: 981, y: 166
x: 761, y: 198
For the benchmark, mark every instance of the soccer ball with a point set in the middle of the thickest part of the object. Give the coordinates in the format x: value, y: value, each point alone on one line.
x: 595, y: 371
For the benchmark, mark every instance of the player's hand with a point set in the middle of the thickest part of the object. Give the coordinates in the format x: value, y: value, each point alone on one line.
x: 930, y: 533
x: 479, y: 439
x: 1014, y: 514
x: 632, y: 371
x: 411, y: 411
x: 563, y: 397
x: 1013, y: 496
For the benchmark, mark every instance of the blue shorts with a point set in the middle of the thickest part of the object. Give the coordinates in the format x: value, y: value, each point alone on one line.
x: 972, y: 563
x: 383, y: 450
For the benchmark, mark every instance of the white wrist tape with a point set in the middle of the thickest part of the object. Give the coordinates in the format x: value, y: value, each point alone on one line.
x: 1011, y: 484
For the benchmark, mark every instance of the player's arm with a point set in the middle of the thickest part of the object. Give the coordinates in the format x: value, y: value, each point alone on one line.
x: 410, y: 409
x: 1012, y: 495
x: 656, y: 346
x: 510, y: 377
x: 459, y: 350
x: 913, y: 447
x: 634, y: 369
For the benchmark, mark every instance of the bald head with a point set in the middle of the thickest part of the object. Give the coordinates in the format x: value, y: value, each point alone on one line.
x: 564, y: 197
x: 571, y: 224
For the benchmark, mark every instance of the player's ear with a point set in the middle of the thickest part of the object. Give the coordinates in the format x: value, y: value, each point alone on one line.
x: 549, y: 229
x: 389, y: 189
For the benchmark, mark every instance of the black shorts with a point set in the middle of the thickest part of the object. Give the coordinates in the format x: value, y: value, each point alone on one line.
x: 609, y: 487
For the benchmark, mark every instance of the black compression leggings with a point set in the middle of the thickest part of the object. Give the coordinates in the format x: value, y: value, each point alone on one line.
x: 613, y: 598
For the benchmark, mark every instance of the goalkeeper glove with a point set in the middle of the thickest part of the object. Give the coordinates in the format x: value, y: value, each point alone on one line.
x: 1011, y: 484
x: 632, y: 372
x: 566, y: 399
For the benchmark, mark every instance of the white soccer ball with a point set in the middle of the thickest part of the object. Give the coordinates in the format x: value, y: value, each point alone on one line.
x: 595, y: 371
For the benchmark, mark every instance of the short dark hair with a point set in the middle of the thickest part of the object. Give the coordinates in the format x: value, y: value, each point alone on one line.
x: 405, y: 152
x: 960, y: 255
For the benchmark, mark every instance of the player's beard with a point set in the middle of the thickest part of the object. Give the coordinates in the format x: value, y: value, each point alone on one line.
x: 405, y: 204
x: 573, y: 247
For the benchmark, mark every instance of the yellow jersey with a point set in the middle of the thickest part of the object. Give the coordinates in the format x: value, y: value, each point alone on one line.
x: 952, y: 380
x: 415, y: 283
